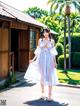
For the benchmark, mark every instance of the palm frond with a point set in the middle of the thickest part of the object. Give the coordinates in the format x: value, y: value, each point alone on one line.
x: 50, y: 1
x: 61, y: 8
x: 56, y: 6
x: 61, y: 1
x: 51, y: 8
x: 76, y: 5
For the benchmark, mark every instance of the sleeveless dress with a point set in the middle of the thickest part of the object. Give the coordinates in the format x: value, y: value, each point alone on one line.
x: 42, y: 69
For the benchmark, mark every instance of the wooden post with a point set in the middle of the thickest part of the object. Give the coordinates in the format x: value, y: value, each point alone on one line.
x: 37, y: 36
x: 12, y: 61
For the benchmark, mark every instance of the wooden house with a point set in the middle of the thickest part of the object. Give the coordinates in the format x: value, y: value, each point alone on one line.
x: 19, y: 34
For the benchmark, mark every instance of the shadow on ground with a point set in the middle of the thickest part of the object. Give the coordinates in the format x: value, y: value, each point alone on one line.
x: 40, y: 102
x: 69, y: 80
x: 25, y: 84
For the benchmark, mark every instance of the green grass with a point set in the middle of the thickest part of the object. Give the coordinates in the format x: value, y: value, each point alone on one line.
x: 72, y: 77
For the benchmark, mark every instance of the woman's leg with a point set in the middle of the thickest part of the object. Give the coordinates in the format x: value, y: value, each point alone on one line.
x: 42, y: 84
x: 42, y: 89
x: 50, y: 92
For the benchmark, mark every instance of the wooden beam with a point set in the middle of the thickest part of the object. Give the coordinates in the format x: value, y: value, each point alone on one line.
x: 18, y: 25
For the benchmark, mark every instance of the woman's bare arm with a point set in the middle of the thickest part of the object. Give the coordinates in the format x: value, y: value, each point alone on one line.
x: 32, y: 60
x: 55, y: 64
x: 35, y: 57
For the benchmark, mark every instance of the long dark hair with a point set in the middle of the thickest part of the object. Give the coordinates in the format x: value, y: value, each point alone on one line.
x: 45, y: 30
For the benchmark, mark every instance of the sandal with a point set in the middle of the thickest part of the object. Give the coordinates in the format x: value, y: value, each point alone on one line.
x: 43, y: 98
x: 49, y: 100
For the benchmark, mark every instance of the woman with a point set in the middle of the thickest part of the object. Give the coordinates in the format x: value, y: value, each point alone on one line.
x: 45, y: 64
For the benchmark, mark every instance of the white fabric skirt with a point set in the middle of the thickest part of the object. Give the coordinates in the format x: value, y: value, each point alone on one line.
x: 33, y: 74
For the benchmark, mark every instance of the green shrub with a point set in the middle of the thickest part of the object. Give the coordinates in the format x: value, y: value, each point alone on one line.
x: 55, y: 38
x: 67, y: 51
x: 75, y: 59
x: 61, y: 61
x: 13, y: 79
x: 75, y: 43
x: 75, y: 48
x: 61, y: 39
x: 59, y: 48
x: 67, y: 46
x: 2, y: 87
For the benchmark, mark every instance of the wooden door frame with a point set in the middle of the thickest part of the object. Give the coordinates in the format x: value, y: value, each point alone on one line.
x: 20, y: 50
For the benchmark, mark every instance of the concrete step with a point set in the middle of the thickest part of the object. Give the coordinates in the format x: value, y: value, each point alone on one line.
x: 18, y: 83
x: 20, y: 75
x: 2, y: 81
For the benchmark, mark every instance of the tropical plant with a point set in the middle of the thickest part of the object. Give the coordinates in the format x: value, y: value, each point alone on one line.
x: 50, y: 22
x: 36, y: 12
x: 60, y: 4
x: 59, y: 48
x: 75, y: 22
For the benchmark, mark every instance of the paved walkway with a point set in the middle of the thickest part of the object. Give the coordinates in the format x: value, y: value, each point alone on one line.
x: 29, y: 95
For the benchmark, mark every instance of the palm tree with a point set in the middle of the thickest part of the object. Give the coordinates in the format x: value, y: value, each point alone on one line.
x: 60, y: 4
x: 65, y: 44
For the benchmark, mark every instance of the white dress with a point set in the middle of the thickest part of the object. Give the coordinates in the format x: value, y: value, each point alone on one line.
x: 33, y: 72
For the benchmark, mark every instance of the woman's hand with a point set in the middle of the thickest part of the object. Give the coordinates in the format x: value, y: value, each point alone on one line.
x: 55, y: 65
x: 35, y: 57
x: 30, y: 61
x: 46, y: 46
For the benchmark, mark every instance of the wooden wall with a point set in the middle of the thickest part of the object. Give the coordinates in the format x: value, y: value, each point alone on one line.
x: 23, y: 50
x: 3, y: 52
x: 37, y: 36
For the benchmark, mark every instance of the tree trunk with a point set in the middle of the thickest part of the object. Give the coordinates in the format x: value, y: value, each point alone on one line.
x: 65, y: 44
x: 69, y: 41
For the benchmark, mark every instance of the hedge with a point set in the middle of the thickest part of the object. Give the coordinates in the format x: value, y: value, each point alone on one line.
x: 75, y: 42
x: 59, y: 48
x: 75, y: 50
x: 61, y: 61
x: 75, y: 60
x: 61, y: 39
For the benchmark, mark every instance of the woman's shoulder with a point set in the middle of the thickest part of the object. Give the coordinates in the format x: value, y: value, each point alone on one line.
x: 40, y: 39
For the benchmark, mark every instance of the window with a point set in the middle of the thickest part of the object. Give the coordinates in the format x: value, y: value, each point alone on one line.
x: 32, y: 39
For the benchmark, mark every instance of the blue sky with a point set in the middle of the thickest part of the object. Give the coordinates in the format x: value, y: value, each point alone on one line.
x: 25, y: 4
